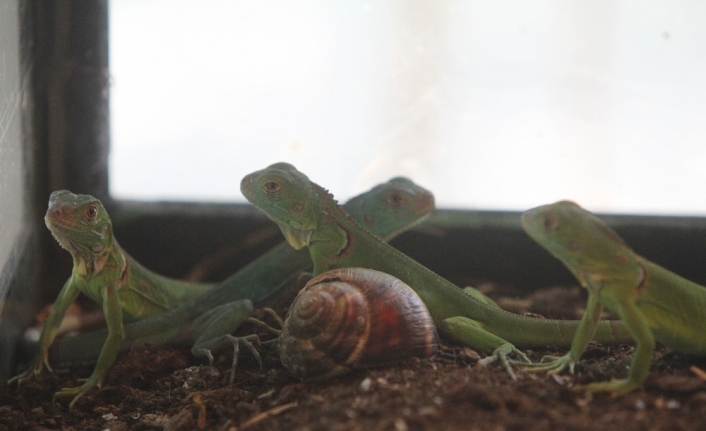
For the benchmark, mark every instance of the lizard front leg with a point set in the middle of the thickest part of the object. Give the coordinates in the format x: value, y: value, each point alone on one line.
x: 584, y: 334
x: 41, y: 359
x: 116, y: 334
x: 640, y: 365
x: 470, y: 333
x: 216, y: 327
x: 213, y: 326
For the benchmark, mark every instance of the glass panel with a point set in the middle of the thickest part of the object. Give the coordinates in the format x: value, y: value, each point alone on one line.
x: 11, y: 161
x: 498, y: 105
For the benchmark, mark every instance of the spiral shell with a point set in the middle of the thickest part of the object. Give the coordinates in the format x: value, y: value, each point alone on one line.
x: 354, y: 318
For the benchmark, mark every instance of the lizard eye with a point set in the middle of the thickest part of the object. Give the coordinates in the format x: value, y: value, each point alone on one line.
x: 394, y: 199
x: 272, y: 187
x: 91, y: 212
x: 550, y: 222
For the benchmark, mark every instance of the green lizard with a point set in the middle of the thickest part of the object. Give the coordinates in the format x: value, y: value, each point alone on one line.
x: 309, y: 216
x: 106, y: 274
x: 653, y: 303
x: 208, y: 320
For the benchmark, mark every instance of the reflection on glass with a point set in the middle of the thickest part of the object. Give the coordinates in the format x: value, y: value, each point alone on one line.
x: 489, y: 105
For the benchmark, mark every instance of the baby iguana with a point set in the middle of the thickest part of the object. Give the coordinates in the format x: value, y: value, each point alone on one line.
x: 207, y: 322
x: 309, y: 216
x: 107, y: 275
x: 653, y: 303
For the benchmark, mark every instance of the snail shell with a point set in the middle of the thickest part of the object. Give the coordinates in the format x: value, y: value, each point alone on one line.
x: 354, y: 318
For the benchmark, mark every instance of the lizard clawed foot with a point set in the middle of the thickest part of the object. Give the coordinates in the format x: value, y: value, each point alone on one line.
x: 27, y: 375
x: 552, y: 364
x: 501, y: 354
x: 615, y: 387
x: 79, y: 391
x: 273, y: 314
x: 33, y: 371
x: 216, y: 338
x: 247, y: 342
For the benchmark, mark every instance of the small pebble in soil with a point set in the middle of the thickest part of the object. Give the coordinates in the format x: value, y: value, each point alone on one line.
x: 661, y: 403
x: 198, y: 377
x: 365, y: 384
x: 401, y: 425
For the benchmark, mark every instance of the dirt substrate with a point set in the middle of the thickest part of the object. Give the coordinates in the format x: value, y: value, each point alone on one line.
x: 168, y: 389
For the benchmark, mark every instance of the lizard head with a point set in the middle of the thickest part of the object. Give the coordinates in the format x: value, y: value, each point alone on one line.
x: 287, y: 197
x: 79, y: 223
x: 593, y: 252
x: 398, y: 202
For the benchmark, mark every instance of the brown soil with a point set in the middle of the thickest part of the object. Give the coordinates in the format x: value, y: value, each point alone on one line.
x: 169, y: 389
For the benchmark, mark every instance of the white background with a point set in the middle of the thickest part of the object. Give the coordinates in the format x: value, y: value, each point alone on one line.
x: 490, y: 104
